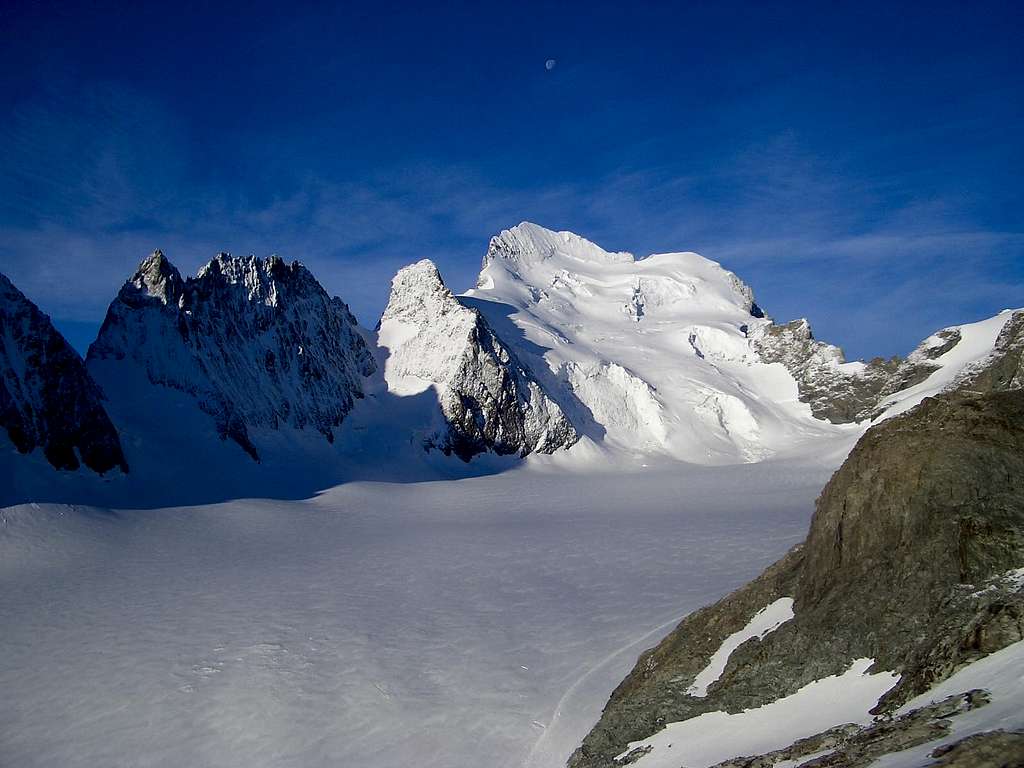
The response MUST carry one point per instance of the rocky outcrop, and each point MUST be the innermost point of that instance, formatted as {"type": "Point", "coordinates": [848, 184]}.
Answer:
{"type": "Point", "coordinates": [1004, 369]}
{"type": "Point", "coordinates": [47, 398]}
{"type": "Point", "coordinates": [834, 394]}
{"type": "Point", "coordinates": [257, 342]}
{"type": "Point", "coordinates": [488, 398]}
{"type": "Point", "coordinates": [909, 545]}
{"type": "Point", "coordinates": [843, 392]}
{"type": "Point", "coordinates": [991, 749]}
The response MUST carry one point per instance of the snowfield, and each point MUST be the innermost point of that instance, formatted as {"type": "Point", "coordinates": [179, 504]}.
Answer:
{"type": "Point", "coordinates": [456, 623]}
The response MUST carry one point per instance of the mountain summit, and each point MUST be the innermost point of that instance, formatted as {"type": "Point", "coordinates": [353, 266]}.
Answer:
{"type": "Point", "coordinates": [654, 351]}
{"type": "Point", "coordinates": [671, 354]}
{"type": "Point", "coordinates": [257, 343]}
{"type": "Point", "coordinates": [489, 400]}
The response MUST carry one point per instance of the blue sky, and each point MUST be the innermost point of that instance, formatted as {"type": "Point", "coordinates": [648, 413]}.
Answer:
{"type": "Point", "coordinates": [858, 164]}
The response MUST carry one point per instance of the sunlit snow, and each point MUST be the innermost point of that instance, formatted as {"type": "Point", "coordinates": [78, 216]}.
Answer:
{"type": "Point", "coordinates": [716, 736]}
{"type": "Point", "coordinates": [765, 621]}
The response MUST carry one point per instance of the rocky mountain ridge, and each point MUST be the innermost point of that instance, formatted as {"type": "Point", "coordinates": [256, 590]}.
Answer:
{"type": "Point", "coordinates": [560, 343]}
{"type": "Point", "coordinates": [842, 392]}
{"type": "Point", "coordinates": [256, 342]}
{"type": "Point", "coordinates": [47, 398]}
{"type": "Point", "coordinates": [489, 400]}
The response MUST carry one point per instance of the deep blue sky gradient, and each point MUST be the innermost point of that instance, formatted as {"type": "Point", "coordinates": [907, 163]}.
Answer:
{"type": "Point", "coordinates": [857, 163]}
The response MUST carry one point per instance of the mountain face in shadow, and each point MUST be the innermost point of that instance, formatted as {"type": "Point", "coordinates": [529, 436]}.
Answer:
{"type": "Point", "coordinates": [257, 343]}
{"type": "Point", "coordinates": [489, 399]}
{"type": "Point", "coordinates": [47, 398]}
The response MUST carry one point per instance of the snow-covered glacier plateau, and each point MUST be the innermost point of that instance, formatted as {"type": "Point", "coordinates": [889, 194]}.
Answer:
{"type": "Point", "coordinates": [441, 542]}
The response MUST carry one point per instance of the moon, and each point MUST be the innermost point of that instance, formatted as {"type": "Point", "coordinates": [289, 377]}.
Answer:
{"type": "Point", "coordinates": [550, 64]}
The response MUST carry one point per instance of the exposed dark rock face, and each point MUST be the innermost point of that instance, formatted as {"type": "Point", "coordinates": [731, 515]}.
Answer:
{"type": "Point", "coordinates": [836, 394]}
{"type": "Point", "coordinates": [908, 545]}
{"type": "Point", "coordinates": [257, 343]}
{"type": "Point", "coordinates": [47, 398]}
{"type": "Point", "coordinates": [919, 364]}
{"type": "Point", "coordinates": [993, 749]}
{"type": "Point", "coordinates": [489, 399]}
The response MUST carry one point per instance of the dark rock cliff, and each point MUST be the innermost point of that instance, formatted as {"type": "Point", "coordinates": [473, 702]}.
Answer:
{"type": "Point", "coordinates": [47, 398]}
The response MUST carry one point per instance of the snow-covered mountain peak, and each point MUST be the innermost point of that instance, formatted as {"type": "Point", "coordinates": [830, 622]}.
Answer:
{"type": "Point", "coordinates": [261, 280]}
{"type": "Point", "coordinates": [565, 269]}
{"type": "Point", "coordinates": [155, 278]}
{"type": "Point", "coordinates": [488, 399]}
{"type": "Point", "coordinates": [655, 350]}
{"type": "Point", "coordinates": [418, 293]}
{"type": "Point", "coordinates": [528, 243]}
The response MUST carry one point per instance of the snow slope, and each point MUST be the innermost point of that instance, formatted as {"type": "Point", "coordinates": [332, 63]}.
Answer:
{"type": "Point", "coordinates": [652, 354]}
{"type": "Point", "coordinates": [441, 624]}
{"type": "Point", "coordinates": [1001, 674]}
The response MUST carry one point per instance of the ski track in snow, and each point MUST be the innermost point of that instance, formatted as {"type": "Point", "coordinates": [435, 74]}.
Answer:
{"type": "Point", "coordinates": [542, 754]}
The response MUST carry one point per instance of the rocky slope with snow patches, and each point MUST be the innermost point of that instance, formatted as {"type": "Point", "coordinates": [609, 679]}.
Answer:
{"type": "Point", "coordinates": [837, 391]}
{"type": "Point", "coordinates": [912, 570]}
{"type": "Point", "coordinates": [843, 392]}
{"type": "Point", "coordinates": [488, 399]}
{"type": "Point", "coordinates": [47, 398]}
{"type": "Point", "coordinates": [982, 357]}
{"type": "Point", "coordinates": [257, 343]}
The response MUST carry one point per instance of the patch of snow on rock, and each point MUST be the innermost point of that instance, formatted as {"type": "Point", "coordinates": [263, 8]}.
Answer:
{"type": "Point", "coordinates": [764, 622]}
{"type": "Point", "coordinates": [716, 736]}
